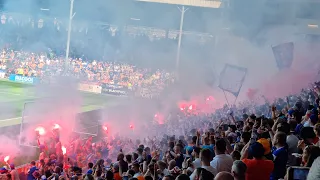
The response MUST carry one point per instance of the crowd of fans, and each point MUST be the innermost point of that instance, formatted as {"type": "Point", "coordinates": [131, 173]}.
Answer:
{"type": "Point", "coordinates": [44, 66]}
{"type": "Point", "coordinates": [270, 141]}
{"type": "Point", "coordinates": [278, 140]}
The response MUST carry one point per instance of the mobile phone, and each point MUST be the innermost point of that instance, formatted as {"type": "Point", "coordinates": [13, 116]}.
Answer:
{"type": "Point", "coordinates": [125, 178]}
{"type": "Point", "coordinates": [298, 173]}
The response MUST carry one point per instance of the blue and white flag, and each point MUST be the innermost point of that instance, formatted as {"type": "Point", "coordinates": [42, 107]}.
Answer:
{"type": "Point", "coordinates": [283, 53]}
{"type": "Point", "coordinates": [232, 78]}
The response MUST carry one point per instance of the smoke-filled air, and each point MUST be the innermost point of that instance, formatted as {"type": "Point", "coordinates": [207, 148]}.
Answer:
{"type": "Point", "coordinates": [157, 89]}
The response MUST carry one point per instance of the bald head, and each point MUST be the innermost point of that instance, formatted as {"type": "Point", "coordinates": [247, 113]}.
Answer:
{"type": "Point", "coordinates": [224, 176]}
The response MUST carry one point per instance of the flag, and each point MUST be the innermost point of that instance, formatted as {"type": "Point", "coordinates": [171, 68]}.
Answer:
{"type": "Point", "coordinates": [283, 53]}
{"type": "Point", "coordinates": [231, 78]}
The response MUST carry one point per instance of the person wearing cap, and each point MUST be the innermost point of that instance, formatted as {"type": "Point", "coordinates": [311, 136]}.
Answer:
{"type": "Point", "coordinates": [267, 148]}
{"type": "Point", "coordinates": [254, 170]}
{"type": "Point", "coordinates": [14, 173]}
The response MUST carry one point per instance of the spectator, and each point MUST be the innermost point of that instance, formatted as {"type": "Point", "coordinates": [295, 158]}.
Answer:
{"type": "Point", "coordinates": [162, 171]}
{"type": "Point", "coordinates": [90, 170]}
{"type": "Point", "coordinates": [77, 171]}
{"type": "Point", "coordinates": [292, 141]}
{"type": "Point", "coordinates": [202, 173]}
{"type": "Point", "coordinates": [116, 172]}
{"type": "Point", "coordinates": [317, 132]}
{"type": "Point", "coordinates": [267, 148]}
{"type": "Point", "coordinates": [136, 168]}
{"type": "Point", "coordinates": [222, 161]}
{"type": "Point", "coordinates": [168, 177]}
{"type": "Point", "coordinates": [177, 155]}
{"type": "Point", "coordinates": [14, 173]}
{"type": "Point", "coordinates": [148, 154]}
{"type": "Point", "coordinates": [207, 145]}
{"type": "Point", "coordinates": [183, 177]}
{"type": "Point", "coordinates": [172, 164]}
{"type": "Point", "coordinates": [98, 174]}
{"type": "Point", "coordinates": [205, 156]}
{"type": "Point", "coordinates": [308, 137]}
{"type": "Point", "coordinates": [32, 169]}
{"type": "Point", "coordinates": [122, 163]}
{"type": "Point", "coordinates": [314, 173]}
{"type": "Point", "coordinates": [245, 137]}
{"type": "Point", "coordinates": [129, 160]}
{"type": "Point", "coordinates": [88, 177]}
{"type": "Point", "coordinates": [310, 153]}
{"type": "Point", "coordinates": [280, 155]}
{"type": "Point", "coordinates": [236, 155]}
{"type": "Point", "coordinates": [196, 153]}
{"type": "Point", "coordinates": [224, 176]}
{"type": "Point", "coordinates": [140, 158]}
{"type": "Point", "coordinates": [109, 175]}
{"type": "Point", "coordinates": [254, 170]}
{"type": "Point", "coordinates": [192, 141]}
{"type": "Point", "coordinates": [239, 170]}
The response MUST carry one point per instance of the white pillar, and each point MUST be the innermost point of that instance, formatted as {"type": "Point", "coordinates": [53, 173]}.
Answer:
{"type": "Point", "coordinates": [183, 10]}
{"type": "Point", "coordinates": [69, 33]}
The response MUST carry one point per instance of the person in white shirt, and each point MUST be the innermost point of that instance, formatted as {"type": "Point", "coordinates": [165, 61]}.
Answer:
{"type": "Point", "coordinates": [162, 171]}
{"type": "Point", "coordinates": [197, 162]}
{"type": "Point", "coordinates": [292, 142]}
{"type": "Point", "coordinates": [222, 161]}
{"type": "Point", "coordinates": [205, 157]}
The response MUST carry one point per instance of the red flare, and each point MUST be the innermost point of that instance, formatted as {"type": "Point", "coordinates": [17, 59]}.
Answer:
{"type": "Point", "coordinates": [41, 130]}
{"type": "Point", "coordinates": [6, 159]}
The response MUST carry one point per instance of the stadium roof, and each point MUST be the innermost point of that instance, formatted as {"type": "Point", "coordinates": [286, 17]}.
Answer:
{"type": "Point", "coordinates": [198, 3]}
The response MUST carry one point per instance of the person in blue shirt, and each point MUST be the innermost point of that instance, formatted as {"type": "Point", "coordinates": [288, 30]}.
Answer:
{"type": "Point", "coordinates": [90, 166]}
{"type": "Point", "coordinates": [31, 171]}
{"type": "Point", "coordinates": [207, 145]}
{"type": "Point", "coordinates": [280, 156]}
{"type": "Point", "coordinates": [192, 140]}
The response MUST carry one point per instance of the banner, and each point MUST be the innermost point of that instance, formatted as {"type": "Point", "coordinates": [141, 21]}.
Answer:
{"type": "Point", "coordinates": [283, 53]}
{"type": "Point", "coordinates": [90, 88]}
{"type": "Point", "coordinates": [151, 92]}
{"type": "Point", "coordinates": [114, 89]}
{"type": "Point", "coordinates": [23, 79]}
{"type": "Point", "coordinates": [231, 78]}
{"type": "Point", "coordinates": [2, 74]}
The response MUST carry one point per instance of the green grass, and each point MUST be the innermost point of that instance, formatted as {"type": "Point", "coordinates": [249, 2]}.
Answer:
{"type": "Point", "coordinates": [15, 95]}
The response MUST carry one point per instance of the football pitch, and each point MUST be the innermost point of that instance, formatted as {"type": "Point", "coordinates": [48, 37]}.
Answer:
{"type": "Point", "coordinates": [14, 95]}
